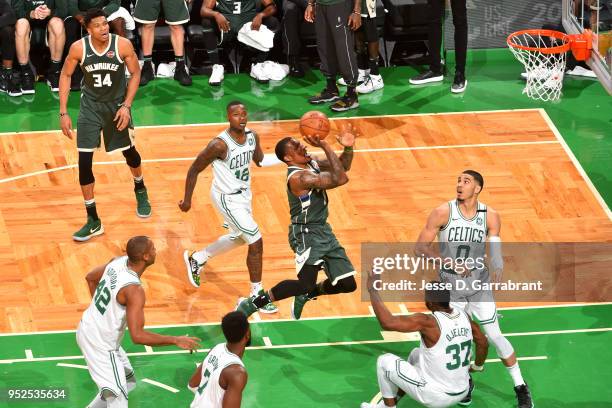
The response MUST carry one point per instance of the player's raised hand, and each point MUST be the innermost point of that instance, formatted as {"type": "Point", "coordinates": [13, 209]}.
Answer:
{"type": "Point", "coordinates": [184, 205]}
{"type": "Point", "coordinates": [313, 140]}
{"type": "Point", "coordinates": [372, 277]}
{"type": "Point", "coordinates": [122, 117]}
{"type": "Point", "coordinates": [347, 136]}
{"type": "Point", "coordinates": [187, 342]}
{"type": "Point", "coordinates": [66, 125]}
{"type": "Point", "coordinates": [309, 14]}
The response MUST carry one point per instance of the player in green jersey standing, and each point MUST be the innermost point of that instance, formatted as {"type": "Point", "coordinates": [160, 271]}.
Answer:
{"type": "Point", "coordinates": [310, 236]}
{"type": "Point", "coordinates": [105, 105]}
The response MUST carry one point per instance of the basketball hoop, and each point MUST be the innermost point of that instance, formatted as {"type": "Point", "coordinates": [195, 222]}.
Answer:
{"type": "Point", "coordinates": [543, 53]}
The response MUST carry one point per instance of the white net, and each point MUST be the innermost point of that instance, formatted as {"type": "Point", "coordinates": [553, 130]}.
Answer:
{"type": "Point", "coordinates": [544, 66]}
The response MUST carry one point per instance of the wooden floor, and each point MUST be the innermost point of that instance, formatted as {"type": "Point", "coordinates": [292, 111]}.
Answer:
{"type": "Point", "coordinates": [536, 188]}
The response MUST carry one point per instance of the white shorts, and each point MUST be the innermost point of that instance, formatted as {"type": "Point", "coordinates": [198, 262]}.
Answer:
{"type": "Point", "coordinates": [110, 370]}
{"type": "Point", "coordinates": [479, 305]}
{"type": "Point", "coordinates": [237, 214]}
{"type": "Point", "coordinates": [405, 375]}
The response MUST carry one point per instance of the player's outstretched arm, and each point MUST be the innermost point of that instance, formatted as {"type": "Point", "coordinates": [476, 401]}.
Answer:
{"type": "Point", "coordinates": [216, 149]}
{"type": "Point", "coordinates": [482, 344]}
{"type": "Point", "coordinates": [336, 175]}
{"type": "Point", "coordinates": [71, 62]}
{"type": "Point", "coordinates": [236, 378]}
{"type": "Point", "coordinates": [436, 220]}
{"type": "Point", "coordinates": [133, 297]}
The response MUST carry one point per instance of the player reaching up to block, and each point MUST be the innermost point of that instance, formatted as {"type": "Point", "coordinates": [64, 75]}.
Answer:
{"type": "Point", "coordinates": [220, 380]}
{"type": "Point", "coordinates": [436, 373]}
{"type": "Point", "coordinates": [310, 236]}
{"type": "Point", "coordinates": [462, 227]}
{"type": "Point", "coordinates": [230, 154]}
{"type": "Point", "coordinates": [105, 106]}
{"type": "Point", "coordinates": [118, 301]}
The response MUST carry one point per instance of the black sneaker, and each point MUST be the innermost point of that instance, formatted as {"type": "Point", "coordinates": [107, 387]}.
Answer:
{"type": "Point", "coordinates": [53, 81]}
{"type": "Point", "coordinates": [75, 81]}
{"type": "Point", "coordinates": [426, 77]}
{"type": "Point", "coordinates": [4, 77]}
{"type": "Point", "coordinates": [296, 71]}
{"type": "Point", "coordinates": [182, 75]}
{"type": "Point", "coordinates": [325, 96]}
{"type": "Point", "coordinates": [147, 74]}
{"type": "Point", "coordinates": [459, 83]}
{"type": "Point", "coordinates": [27, 81]}
{"type": "Point", "coordinates": [13, 83]}
{"type": "Point", "coordinates": [523, 396]}
{"type": "Point", "coordinates": [468, 398]}
{"type": "Point", "coordinates": [345, 103]}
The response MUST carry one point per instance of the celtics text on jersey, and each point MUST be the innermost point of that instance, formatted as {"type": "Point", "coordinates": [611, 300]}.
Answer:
{"type": "Point", "coordinates": [233, 173]}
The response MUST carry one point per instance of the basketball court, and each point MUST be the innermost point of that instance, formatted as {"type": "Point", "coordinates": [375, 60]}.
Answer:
{"type": "Point", "coordinates": [543, 180]}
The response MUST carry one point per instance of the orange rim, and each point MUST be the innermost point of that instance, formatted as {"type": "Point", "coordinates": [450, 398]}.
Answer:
{"type": "Point", "coordinates": [542, 33]}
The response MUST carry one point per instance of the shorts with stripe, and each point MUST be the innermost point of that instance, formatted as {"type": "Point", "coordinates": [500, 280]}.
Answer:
{"type": "Point", "coordinates": [237, 214]}
{"type": "Point", "coordinates": [96, 120]}
{"type": "Point", "coordinates": [394, 373]}
{"type": "Point", "coordinates": [109, 369]}
{"type": "Point", "coordinates": [479, 305]}
{"type": "Point", "coordinates": [317, 245]}
{"type": "Point", "coordinates": [175, 11]}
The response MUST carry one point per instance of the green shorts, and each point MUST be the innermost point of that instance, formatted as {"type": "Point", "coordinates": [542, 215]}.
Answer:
{"type": "Point", "coordinates": [317, 245]}
{"type": "Point", "coordinates": [98, 117]}
{"type": "Point", "coordinates": [175, 11]}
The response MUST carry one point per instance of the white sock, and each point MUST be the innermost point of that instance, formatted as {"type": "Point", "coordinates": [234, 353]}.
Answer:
{"type": "Point", "coordinates": [255, 288]}
{"type": "Point", "coordinates": [138, 178]}
{"type": "Point", "coordinates": [515, 373]}
{"type": "Point", "coordinates": [97, 402]}
{"type": "Point", "coordinates": [220, 246]}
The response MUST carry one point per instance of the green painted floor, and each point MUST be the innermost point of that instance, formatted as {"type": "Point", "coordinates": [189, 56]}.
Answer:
{"type": "Point", "coordinates": [302, 369]}
{"type": "Point", "coordinates": [583, 116]}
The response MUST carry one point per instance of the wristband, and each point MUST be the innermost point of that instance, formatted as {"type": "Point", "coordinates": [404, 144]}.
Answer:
{"type": "Point", "coordinates": [348, 148]}
{"type": "Point", "coordinates": [357, 12]}
{"type": "Point", "coordinates": [125, 106]}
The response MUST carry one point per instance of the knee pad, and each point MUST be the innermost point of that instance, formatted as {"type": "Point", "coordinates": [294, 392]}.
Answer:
{"type": "Point", "coordinates": [347, 285]}
{"type": "Point", "coordinates": [85, 168]}
{"type": "Point", "coordinates": [502, 345]}
{"type": "Point", "coordinates": [132, 158]}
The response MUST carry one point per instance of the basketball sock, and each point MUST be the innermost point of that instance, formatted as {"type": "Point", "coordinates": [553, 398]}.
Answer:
{"type": "Point", "coordinates": [55, 66]}
{"type": "Point", "coordinates": [222, 245]}
{"type": "Point", "coordinates": [262, 300]}
{"type": "Point", "coordinates": [148, 59]}
{"type": "Point", "coordinates": [255, 288]}
{"type": "Point", "coordinates": [24, 67]}
{"type": "Point", "coordinates": [97, 402]}
{"type": "Point", "coordinates": [139, 183]}
{"type": "Point", "coordinates": [373, 65]}
{"type": "Point", "coordinates": [180, 60]}
{"type": "Point", "coordinates": [90, 207]}
{"type": "Point", "coordinates": [515, 373]}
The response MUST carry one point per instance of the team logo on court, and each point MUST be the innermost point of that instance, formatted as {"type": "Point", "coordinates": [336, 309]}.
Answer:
{"type": "Point", "coordinates": [479, 221]}
{"type": "Point", "coordinates": [110, 54]}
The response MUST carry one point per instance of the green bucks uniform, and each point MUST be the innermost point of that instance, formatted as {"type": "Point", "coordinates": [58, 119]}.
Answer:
{"type": "Point", "coordinates": [238, 13]}
{"type": "Point", "coordinates": [175, 11]}
{"type": "Point", "coordinates": [103, 91]}
{"type": "Point", "coordinates": [310, 236]}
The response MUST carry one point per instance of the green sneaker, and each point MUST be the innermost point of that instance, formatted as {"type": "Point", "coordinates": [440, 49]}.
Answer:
{"type": "Point", "coordinates": [298, 306]}
{"type": "Point", "coordinates": [193, 268]}
{"type": "Point", "coordinates": [90, 229]}
{"type": "Point", "coordinates": [143, 206]}
{"type": "Point", "coordinates": [269, 308]}
{"type": "Point", "coordinates": [246, 306]}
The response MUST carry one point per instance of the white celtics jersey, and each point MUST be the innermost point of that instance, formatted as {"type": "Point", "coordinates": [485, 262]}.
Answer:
{"type": "Point", "coordinates": [462, 237]}
{"type": "Point", "coordinates": [104, 321]}
{"type": "Point", "coordinates": [209, 393]}
{"type": "Point", "coordinates": [232, 174]}
{"type": "Point", "coordinates": [445, 366]}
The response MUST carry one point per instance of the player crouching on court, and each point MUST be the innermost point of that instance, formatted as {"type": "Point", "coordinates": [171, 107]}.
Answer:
{"type": "Point", "coordinates": [436, 373]}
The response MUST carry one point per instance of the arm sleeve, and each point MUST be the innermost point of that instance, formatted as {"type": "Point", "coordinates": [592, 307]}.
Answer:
{"type": "Point", "coordinates": [111, 7]}
{"type": "Point", "coordinates": [7, 15]}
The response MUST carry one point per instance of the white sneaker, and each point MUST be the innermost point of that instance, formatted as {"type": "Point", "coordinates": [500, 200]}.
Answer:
{"type": "Point", "coordinates": [258, 72]}
{"type": "Point", "coordinates": [363, 73]}
{"type": "Point", "coordinates": [275, 71]}
{"type": "Point", "coordinates": [581, 71]}
{"type": "Point", "coordinates": [370, 84]}
{"type": "Point", "coordinates": [217, 75]}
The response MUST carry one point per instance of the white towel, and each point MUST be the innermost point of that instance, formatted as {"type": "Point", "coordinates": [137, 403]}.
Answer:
{"type": "Point", "coordinates": [262, 39]}
{"type": "Point", "coordinates": [130, 24]}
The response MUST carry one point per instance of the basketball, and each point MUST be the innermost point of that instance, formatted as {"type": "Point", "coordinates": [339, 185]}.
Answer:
{"type": "Point", "coordinates": [314, 123]}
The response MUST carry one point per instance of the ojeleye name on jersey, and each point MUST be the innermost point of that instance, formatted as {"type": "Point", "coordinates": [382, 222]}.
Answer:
{"type": "Point", "coordinates": [242, 159]}
{"type": "Point", "coordinates": [101, 66]}
{"type": "Point", "coordinates": [460, 332]}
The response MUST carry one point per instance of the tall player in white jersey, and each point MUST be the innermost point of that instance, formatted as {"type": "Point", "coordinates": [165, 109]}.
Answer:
{"type": "Point", "coordinates": [219, 381]}
{"type": "Point", "coordinates": [436, 373]}
{"type": "Point", "coordinates": [230, 154]}
{"type": "Point", "coordinates": [118, 301]}
{"type": "Point", "coordinates": [462, 226]}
